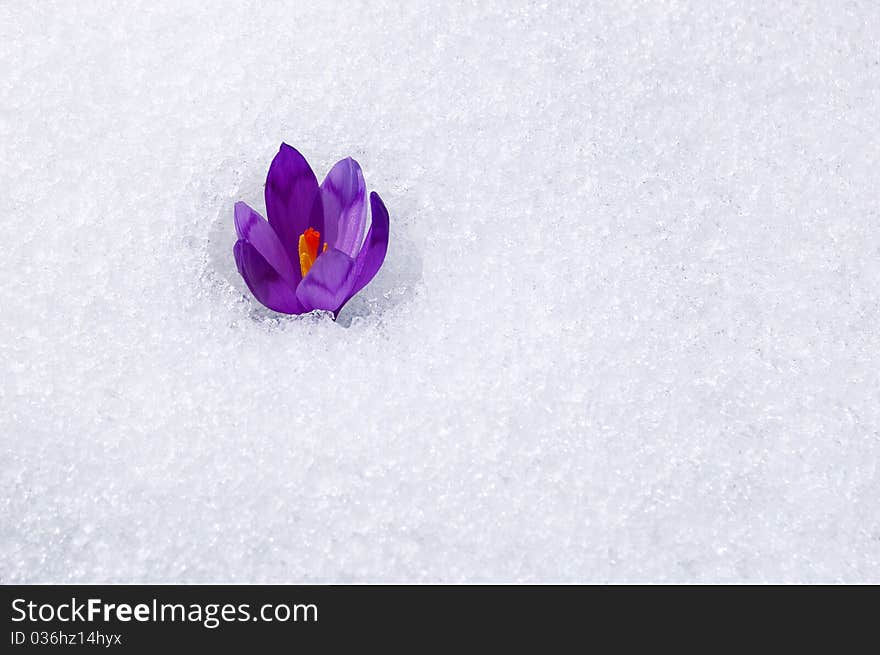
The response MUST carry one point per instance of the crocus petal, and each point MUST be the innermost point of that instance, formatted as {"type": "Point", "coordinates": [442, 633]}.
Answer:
{"type": "Point", "coordinates": [328, 284]}
{"type": "Point", "coordinates": [372, 254]}
{"type": "Point", "coordinates": [264, 281]}
{"type": "Point", "coordinates": [254, 229]}
{"type": "Point", "coordinates": [293, 203]}
{"type": "Point", "coordinates": [344, 196]}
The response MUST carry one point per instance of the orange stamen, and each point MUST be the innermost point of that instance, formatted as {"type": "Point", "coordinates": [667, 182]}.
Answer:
{"type": "Point", "coordinates": [308, 249]}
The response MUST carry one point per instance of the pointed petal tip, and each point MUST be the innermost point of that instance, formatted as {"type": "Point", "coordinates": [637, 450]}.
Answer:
{"type": "Point", "coordinates": [290, 150]}
{"type": "Point", "coordinates": [241, 214]}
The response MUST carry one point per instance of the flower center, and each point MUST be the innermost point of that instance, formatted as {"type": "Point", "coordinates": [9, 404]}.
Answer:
{"type": "Point", "coordinates": [308, 249]}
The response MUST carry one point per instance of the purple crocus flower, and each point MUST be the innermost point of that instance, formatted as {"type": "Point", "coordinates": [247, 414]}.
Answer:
{"type": "Point", "coordinates": [311, 254]}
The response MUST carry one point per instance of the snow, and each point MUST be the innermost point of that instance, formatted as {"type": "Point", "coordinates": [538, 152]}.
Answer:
{"type": "Point", "coordinates": [628, 329]}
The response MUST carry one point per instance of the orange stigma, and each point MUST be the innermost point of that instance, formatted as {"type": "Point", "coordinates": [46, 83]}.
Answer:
{"type": "Point", "coordinates": [308, 249]}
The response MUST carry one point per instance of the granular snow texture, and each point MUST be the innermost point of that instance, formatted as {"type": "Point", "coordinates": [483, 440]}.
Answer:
{"type": "Point", "coordinates": [628, 328]}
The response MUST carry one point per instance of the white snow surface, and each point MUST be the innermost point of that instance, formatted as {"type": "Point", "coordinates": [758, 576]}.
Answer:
{"type": "Point", "coordinates": [628, 329]}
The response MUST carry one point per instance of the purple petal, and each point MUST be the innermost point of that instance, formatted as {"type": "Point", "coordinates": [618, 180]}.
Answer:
{"type": "Point", "coordinates": [254, 229]}
{"type": "Point", "coordinates": [328, 283]}
{"type": "Point", "coordinates": [344, 196]}
{"type": "Point", "coordinates": [264, 281]}
{"type": "Point", "coordinates": [372, 254]}
{"type": "Point", "coordinates": [292, 199]}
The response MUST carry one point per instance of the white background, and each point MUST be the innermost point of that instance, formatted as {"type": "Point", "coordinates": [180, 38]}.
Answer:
{"type": "Point", "coordinates": [627, 329]}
